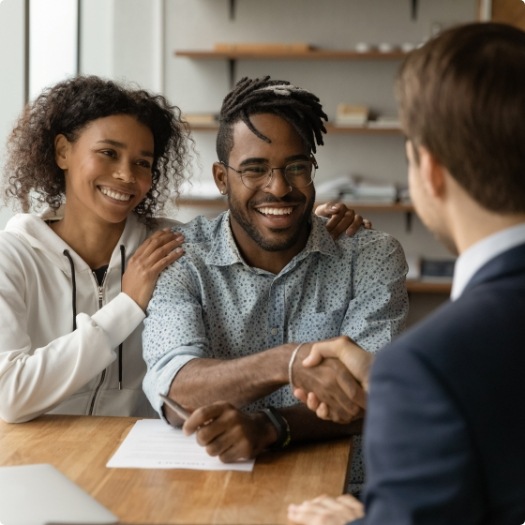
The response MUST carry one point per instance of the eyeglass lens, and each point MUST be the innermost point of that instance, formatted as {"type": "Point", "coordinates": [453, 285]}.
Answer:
{"type": "Point", "coordinates": [297, 174]}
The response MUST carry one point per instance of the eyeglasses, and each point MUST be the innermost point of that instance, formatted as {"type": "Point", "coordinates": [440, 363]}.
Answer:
{"type": "Point", "coordinates": [298, 174]}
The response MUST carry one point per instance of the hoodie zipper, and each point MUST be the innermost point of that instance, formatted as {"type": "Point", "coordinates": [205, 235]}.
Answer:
{"type": "Point", "coordinates": [103, 374]}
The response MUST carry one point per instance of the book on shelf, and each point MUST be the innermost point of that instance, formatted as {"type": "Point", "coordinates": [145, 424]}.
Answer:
{"type": "Point", "coordinates": [437, 269]}
{"type": "Point", "coordinates": [358, 189]}
{"type": "Point", "coordinates": [351, 115]}
{"type": "Point", "coordinates": [385, 122]}
{"type": "Point", "coordinates": [440, 270]}
{"type": "Point", "coordinates": [201, 119]}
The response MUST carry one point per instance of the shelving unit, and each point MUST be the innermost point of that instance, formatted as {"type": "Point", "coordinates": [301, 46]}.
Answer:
{"type": "Point", "coordinates": [331, 129]}
{"type": "Point", "coordinates": [220, 204]}
{"type": "Point", "coordinates": [314, 54]}
{"type": "Point", "coordinates": [430, 287]}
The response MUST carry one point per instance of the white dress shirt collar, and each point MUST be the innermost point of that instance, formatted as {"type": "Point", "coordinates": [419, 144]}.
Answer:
{"type": "Point", "coordinates": [471, 260]}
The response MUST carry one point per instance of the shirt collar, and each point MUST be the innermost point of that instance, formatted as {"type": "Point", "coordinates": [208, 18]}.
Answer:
{"type": "Point", "coordinates": [471, 260]}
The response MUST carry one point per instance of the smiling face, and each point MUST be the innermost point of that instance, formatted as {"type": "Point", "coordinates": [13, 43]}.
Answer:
{"type": "Point", "coordinates": [108, 168]}
{"type": "Point", "coordinates": [270, 223]}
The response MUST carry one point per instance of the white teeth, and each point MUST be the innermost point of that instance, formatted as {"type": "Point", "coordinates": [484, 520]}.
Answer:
{"type": "Point", "coordinates": [276, 211]}
{"type": "Point", "coordinates": [116, 195]}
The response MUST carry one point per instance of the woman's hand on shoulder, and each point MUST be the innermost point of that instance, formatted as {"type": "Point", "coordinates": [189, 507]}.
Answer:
{"type": "Point", "coordinates": [341, 219]}
{"type": "Point", "coordinates": [143, 268]}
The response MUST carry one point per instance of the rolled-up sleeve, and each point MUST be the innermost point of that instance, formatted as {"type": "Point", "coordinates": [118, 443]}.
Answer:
{"type": "Point", "coordinates": [174, 332]}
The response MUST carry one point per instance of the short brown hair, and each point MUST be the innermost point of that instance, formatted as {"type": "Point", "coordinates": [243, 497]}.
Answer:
{"type": "Point", "coordinates": [462, 96]}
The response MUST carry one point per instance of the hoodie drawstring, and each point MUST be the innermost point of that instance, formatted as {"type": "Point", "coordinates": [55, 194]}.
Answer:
{"type": "Point", "coordinates": [74, 291]}
{"type": "Point", "coordinates": [74, 300]}
{"type": "Point", "coordinates": [122, 270]}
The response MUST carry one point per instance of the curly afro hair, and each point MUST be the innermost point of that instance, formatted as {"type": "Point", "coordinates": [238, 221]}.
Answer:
{"type": "Point", "coordinates": [69, 106]}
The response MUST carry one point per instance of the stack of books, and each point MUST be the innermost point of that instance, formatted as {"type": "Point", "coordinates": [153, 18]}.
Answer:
{"type": "Point", "coordinates": [374, 192]}
{"type": "Point", "coordinates": [359, 190]}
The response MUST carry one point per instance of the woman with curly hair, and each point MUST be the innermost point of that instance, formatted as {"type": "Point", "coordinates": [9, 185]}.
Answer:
{"type": "Point", "coordinates": [76, 279]}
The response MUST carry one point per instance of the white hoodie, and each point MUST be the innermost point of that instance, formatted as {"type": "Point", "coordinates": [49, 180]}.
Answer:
{"type": "Point", "coordinates": [45, 364]}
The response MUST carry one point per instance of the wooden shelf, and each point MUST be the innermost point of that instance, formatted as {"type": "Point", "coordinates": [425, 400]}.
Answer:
{"type": "Point", "coordinates": [362, 130]}
{"type": "Point", "coordinates": [314, 54]}
{"type": "Point", "coordinates": [396, 207]}
{"type": "Point", "coordinates": [330, 128]}
{"type": "Point", "coordinates": [430, 287]}
{"type": "Point", "coordinates": [222, 203]}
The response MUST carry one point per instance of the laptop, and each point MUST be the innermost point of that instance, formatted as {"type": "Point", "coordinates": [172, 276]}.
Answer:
{"type": "Point", "coordinates": [41, 495]}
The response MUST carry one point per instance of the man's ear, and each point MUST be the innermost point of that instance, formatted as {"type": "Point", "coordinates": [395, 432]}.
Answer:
{"type": "Point", "coordinates": [220, 175]}
{"type": "Point", "coordinates": [62, 148]}
{"type": "Point", "coordinates": [432, 172]}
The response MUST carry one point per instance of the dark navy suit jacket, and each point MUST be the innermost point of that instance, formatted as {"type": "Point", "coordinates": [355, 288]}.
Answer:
{"type": "Point", "coordinates": [445, 427]}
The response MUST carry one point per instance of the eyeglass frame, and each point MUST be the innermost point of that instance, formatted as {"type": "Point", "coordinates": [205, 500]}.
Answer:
{"type": "Point", "coordinates": [311, 159]}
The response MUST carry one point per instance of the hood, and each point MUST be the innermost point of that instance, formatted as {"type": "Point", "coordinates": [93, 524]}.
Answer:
{"type": "Point", "coordinates": [34, 230]}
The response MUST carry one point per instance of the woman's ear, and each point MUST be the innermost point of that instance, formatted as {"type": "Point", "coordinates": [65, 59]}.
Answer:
{"type": "Point", "coordinates": [220, 176]}
{"type": "Point", "coordinates": [62, 147]}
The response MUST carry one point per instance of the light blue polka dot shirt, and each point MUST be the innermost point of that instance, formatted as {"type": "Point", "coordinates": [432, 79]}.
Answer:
{"type": "Point", "coordinates": [211, 304]}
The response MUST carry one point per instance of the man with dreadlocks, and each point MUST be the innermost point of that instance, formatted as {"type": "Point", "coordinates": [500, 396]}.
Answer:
{"type": "Point", "coordinates": [229, 323]}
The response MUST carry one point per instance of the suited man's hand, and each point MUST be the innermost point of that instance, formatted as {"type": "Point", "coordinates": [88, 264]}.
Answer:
{"type": "Point", "coordinates": [326, 511]}
{"type": "Point", "coordinates": [356, 360]}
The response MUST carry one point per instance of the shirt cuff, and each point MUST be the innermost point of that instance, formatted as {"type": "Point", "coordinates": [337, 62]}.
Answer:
{"type": "Point", "coordinates": [119, 318]}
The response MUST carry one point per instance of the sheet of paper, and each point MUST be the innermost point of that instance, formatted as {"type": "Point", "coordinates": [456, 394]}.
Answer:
{"type": "Point", "coordinates": [152, 443]}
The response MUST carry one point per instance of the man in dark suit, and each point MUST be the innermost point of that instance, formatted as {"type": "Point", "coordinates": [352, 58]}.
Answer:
{"type": "Point", "coordinates": [445, 424]}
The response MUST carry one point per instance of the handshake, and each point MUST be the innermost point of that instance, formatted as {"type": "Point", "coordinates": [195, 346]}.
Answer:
{"type": "Point", "coordinates": [331, 378]}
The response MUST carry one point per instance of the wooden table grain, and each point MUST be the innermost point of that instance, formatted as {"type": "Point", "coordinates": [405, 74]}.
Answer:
{"type": "Point", "coordinates": [81, 446]}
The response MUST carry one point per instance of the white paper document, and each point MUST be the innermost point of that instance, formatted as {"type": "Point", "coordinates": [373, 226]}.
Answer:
{"type": "Point", "coordinates": [152, 443]}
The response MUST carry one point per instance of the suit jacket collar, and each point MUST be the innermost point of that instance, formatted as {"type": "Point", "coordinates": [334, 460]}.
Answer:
{"type": "Point", "coordinates": [511, 261]}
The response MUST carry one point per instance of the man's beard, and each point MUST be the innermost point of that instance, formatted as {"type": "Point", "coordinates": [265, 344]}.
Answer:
{"type": "Point", "coordinates": [272, 245]}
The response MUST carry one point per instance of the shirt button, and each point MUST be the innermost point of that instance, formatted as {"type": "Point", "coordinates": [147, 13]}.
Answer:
{"type": "Point", "coordinates": [274, 331]}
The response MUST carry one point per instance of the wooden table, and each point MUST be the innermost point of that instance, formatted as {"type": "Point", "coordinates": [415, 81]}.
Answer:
{"type": "Point", "coordinates": [81, 446]}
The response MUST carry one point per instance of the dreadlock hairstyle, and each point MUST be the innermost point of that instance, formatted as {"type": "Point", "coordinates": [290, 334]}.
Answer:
{"type": "Point", "coordinates": [300, 108]}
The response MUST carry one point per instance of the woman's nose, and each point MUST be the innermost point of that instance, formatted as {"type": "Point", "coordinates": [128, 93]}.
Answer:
{"type": "Point", "coordinates": [124, 173]}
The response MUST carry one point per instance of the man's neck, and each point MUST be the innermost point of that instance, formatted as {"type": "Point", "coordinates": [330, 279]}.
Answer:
{"type": "Point", "coordinates": [471, 224]}
{"type": "Point", "coordinates": [272, 261]}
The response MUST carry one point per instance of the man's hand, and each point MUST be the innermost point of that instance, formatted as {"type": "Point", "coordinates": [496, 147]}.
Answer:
{"type": "Point", "coordinates": [341, 219]}
{"type": "Point", "coordinates": [230, 434]}
{"type": "Point", "coordinates": [356, 361]}
{"type": "Point", "coordinates": [326, 511]}
{"type": "Point", "coordinates": [332, 384]}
